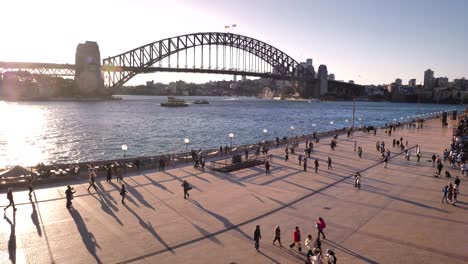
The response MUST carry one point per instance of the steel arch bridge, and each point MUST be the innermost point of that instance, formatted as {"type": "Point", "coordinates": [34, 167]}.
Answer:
{"type": "Point", "coordinates": [211, 52]}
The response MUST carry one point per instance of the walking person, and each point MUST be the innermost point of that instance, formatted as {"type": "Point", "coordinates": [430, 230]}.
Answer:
{"type": "Point", "coordinates": [457, 184]}
{"type": "Point", "coordinates": [433, 158]}
{"type": "Point", "coordinates": [277, 236]}
{"type": "Point", "coordinates": [92, 174]}
{"type": "Point", "coordinates": [317, 257]}
{"type": "Point", "coordinates": [10, 199]}
{"type": "Point", "coordinates": [308, 244]}
{"type": "Point", "coordinates": [316, 163]}
{"type": "Point", "coordinates": [69, 195]}
{"type": "Point", "coordinates": [267, 168]}
{"type": "Point", "coordinates": [257, 237]}
{"type": "Point", "coordinates": [359, 153]}
{"type": "Point", "coordinates": [108, 173]}
{"type": "Point", "coordinates": [123, 192]}
{"type": "Point", "coordinates": [329, 163]}
{"type": "Point", "coordinates": [331, 256]}
{"type": "Point", "coordinates": [299, 158]}
{"type": "Point", "coordinates": [30, 187]}
{"type": "Point", "coordinates": [355, 145]}
{"type": "Point", "coordinates": [320, 225]}
{"type": "Point", "coordinates": [357, 180]}
{"type": "Point", "coordinates": [454, 195]}
{"type": "Point", "coordinates": [187, 188]}
{"type": "Point", "coordinates": [296, 239]}
{"type": "Point", "coordinates": [305, 164]}
{"type": "Point", "coordinates": [440, 166]}
{"type": "Point", "coordinates": [385, 161]}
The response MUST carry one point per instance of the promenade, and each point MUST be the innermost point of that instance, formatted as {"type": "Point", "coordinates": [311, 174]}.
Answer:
{"type": "Point", "coordinates": [396, 217]}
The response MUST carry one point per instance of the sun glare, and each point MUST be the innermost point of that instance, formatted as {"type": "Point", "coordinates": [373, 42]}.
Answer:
{"type": "Point", "coordinates": [18, 134]}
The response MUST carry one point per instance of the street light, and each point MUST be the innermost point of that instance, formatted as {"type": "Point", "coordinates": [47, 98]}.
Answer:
{"type": "Point", "coordinates": [292, 130]}
{"type": "Point", "coordinates": [186, 141]}
{"type": "Point", "coordinates": [265, 132]}
{"type": "Point", "coordinates": [124, 148]}
{"type": "Point", "coordinates": [346, 121]}
{"type": "Point", "coordinates": [231, 135]}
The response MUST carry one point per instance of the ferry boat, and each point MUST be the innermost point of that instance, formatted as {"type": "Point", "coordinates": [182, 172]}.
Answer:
{"type": "Point", "coordinates": [200, 102]}
{"type": "Point", "coordinates": [174, 102]}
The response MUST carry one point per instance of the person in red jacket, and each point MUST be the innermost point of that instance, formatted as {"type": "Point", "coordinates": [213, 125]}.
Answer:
{"type": "Point", "coordinates": [320, 224]}
{"type": "Point", "coordinates": [297, 239]}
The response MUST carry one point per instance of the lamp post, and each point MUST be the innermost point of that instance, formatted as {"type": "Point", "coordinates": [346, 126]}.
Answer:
{"type": "Point", "coordinates": [265, 132]}
{"type": "Point", "coordinates": [124, 148]}
{"type": "Point", "coordinates": [231, 135]}
{"type": "Point", "coordinates": [292, 130]}
{"type": "Point", "coordinates": [186, 141]}
{"type": "Point", "coordinates": [346, 122]}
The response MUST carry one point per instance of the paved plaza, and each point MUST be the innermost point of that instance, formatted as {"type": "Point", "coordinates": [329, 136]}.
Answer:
{"type": "Point", "coordinates": [396, 217]}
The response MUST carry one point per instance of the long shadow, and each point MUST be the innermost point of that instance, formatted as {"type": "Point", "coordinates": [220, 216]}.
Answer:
{"type": "Point", "coordinates": [35, 218]}
{"type": "Point", "coordinates": [107, 206]}
{"type": "Point", "coordinates": [104, 192]}
{"type": "Point", "coordinates": [88, 238]}
{"type": "Point", "coordinates": [350, 252]}
{"type": "Point", "coordinates": [148, 226]}
{"type": "Point", "coordinates": [195, 175]}
{"type": "Point", "coordinates": [205, 233]}
{"type": "Point", "coordinates": [222, 219]}
{"type": "Point", "coordinates": [258, 198]}
{"type": "Point", "coordinates": [12, 240]}
{"type": "Point", "coordinates": [281, 203]}
{"type": "Point", "coordinates": [268, 257]}
{"type": "Point", "coordinates": [138, 196]}
{"type": "Point", "coordinates": [128, 198]}
{"type": "Point", "coordinates": [409, 201]}
{"type": "Point", "coordinates": [157, 184]}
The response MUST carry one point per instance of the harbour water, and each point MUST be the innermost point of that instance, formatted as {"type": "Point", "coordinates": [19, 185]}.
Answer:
{"type": "Point", "coordinates": [63, 132]}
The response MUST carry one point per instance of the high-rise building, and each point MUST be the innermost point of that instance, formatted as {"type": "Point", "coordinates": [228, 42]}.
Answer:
{"type": "Point", "coordinates": [442, 82]}
{"type": "Point", "coordinates": [331, 77]}
{"type": "Point", "coordinates": [398, 81]}
{"type": "Point", "coordinates": [412, 83]}
{"type": "Point", "coordinates": [309, 62]}
{"type": "Point", "coordinates": [428, 78]}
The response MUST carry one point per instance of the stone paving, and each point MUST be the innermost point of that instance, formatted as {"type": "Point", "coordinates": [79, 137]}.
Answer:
{"type": "Point", "coordinates": [396, 217]}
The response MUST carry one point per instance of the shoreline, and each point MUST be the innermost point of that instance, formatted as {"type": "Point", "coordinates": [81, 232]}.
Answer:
{"type": "Point", "coordinates": [65, 171]}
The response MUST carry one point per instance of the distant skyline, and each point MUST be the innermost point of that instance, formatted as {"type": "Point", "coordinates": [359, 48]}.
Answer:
{"type": "Point", "coordinates": [370, 41]}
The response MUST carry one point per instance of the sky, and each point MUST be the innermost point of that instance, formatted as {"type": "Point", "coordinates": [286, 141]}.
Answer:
{"type": "Point", "coordinates": [368, 41]}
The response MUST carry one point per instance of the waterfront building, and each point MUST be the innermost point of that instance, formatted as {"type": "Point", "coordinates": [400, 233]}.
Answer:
{"type": "Point", "coordinates": [441, 82]}
{"type": "Point", "coordinates": [398, 81]}
{"type": "Point", "coordinates": [428, 78]}
{"type": "Point", "coordinates": [351, 81]}
{"type": "Point", "coordinates": [412, 83]}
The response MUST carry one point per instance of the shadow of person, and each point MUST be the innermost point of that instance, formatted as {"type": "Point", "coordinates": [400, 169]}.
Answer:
{"type": "Point", "coordinates": [227, 224]}
{"type": "Point", "coordinates": [12, 240]}
{"type": "Point", "coordinates": [137, 195]}
{"type": "Point", "coordinates": [88, 238]}
{"type": "Point", "coordinates": [148, 226]}
{"type": "Point", "coordinates": [35, 218]}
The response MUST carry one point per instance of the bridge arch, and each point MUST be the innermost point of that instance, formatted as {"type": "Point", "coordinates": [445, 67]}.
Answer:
{"type": "Point", "coordinates": [121, 68]}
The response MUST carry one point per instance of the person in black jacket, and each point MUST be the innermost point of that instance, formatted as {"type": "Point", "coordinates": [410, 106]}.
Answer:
{"type": "Point", "coordinates": [257, 237]}
{"type": "Point", "coordinates": [123, 192]}
{"type": "Point", "coordinates": [10, 199]}
{"type": "Point", "coordinates": [187, 188]}
{"type": "Point", "coordinates": [69, 194]}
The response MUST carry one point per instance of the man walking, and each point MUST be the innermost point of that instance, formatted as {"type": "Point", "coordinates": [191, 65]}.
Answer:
{"type": "Point", "coordinates": [316, 165]}
{"type": "Point", "coordinates": [267, 168]}
{"type": "Point", "coordinates": [69, 194]}
{"type": "Point", "coordinates": [277, 236]}
{"type": "Point", "coordinates": [305, 164]}
{"type": "Point", "coordinates": [296, 239]}
{"type": "Point", "coordinates": [257, 237]}
{"type": "Point", "coordinates": [187, 188]}
{"type": "Point", "coordinates": [329, 163]}
{"type": "Point", "coordinates": [123, 192]}
{"type": "Point", "coordinates": [10, 199]}
{"type": "Point", "coordinates": [92, 174]}
{"type": "Point", "coordinates": [109, 173]}
{"type": "Point", "coordinates": [30, 187]}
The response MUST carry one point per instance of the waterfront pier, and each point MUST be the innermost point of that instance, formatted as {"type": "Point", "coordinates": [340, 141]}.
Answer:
{"type": "Point", "coordinates": [395, 217]}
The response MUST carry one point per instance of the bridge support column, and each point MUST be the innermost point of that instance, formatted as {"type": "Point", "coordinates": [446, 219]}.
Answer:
{"type": "Point", "coordinates": [88, 75]}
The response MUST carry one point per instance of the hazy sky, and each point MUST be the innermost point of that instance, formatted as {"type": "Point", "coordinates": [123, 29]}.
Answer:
{"type": "Point", "coordinates": [369, 41]}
